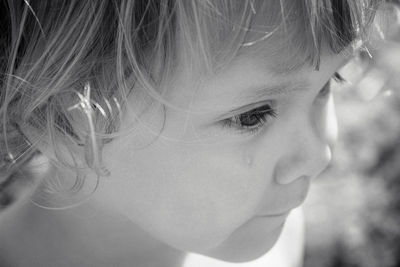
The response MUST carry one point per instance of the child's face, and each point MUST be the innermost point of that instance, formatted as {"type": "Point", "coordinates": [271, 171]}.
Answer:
{"type": "Point", "coordinates": [220, 186]}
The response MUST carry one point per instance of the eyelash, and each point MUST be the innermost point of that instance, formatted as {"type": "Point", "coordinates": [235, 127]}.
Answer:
{"type": "Point", "coordinates": [261, 116]}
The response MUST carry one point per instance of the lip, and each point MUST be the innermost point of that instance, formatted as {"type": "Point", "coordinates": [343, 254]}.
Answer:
{"type": "Point", "coordinates": [286, 210]}
{"type": "Point", "coordinates": [301, 197]}
{"type": "Point", "coordinates": [276, 215]}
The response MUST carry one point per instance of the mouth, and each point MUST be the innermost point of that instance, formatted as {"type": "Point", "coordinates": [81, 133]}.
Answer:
{"type": "Point", "coordinates": [289, 198]}
{"type": "Point", "coordinates": [275, 215]}
{"type": "Point", "coordinates": [284, 211]}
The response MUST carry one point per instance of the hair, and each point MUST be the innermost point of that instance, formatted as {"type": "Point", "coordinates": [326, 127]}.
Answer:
{"type": "Point", "coordinates": [68, 66]}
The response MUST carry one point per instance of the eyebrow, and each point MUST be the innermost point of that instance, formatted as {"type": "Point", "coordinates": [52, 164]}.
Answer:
{"type": "Point", "coordinates": [287, 68]}
{"type": "Point", "coordinates": [260, 93]}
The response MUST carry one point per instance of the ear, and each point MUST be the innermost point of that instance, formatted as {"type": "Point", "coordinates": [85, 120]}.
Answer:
{"type": "Point", "coordinates": [19, 186]}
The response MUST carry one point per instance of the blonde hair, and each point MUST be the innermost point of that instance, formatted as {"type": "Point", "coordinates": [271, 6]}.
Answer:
{"type": "Point", "coordinates": [67, 66]}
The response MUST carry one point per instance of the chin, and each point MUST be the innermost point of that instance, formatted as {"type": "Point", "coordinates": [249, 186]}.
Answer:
{"type": "Point", "coordinates": [245, 245]}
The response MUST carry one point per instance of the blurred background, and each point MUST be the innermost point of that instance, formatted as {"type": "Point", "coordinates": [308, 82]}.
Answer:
{"type": "Point", "coordinates": [353, 210]}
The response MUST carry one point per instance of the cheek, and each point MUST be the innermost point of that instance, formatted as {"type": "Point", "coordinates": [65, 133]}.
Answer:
{"type": "Point", "coordinates": [191, 197]}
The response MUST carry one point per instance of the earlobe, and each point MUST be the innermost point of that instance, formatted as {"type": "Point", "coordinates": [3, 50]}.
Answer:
{"type": "Point", "coordinates": [20, 185]}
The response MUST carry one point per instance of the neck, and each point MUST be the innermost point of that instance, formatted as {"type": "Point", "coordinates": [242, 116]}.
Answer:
{"type": "Point", "coordinates": [71, 235]}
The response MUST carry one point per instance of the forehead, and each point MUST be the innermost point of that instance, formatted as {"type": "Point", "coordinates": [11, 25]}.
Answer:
{"type": "Point", "coordinates": [250, 79]}
{"type": "Point", "coordinates": [288, 60]}
{"type": "Point", "coordinates": [286, 35]}
{"type": "Point", "coordinates": [293, 31]}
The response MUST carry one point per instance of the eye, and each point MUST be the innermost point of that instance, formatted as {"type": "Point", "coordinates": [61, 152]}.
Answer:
{"type": "Point", "coordinates": [338, 78]}
{"type": "Point", "coordinates": [251, 121]}
{"type": "Point", "coordinates": [327, 87]}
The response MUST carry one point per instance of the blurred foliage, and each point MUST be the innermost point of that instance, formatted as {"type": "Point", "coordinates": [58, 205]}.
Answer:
{"type": "Point", "coordinates": [353, 212]}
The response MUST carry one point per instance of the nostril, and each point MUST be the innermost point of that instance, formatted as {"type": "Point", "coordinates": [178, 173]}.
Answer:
{"type": "Point", "coordinates": [309, 160]}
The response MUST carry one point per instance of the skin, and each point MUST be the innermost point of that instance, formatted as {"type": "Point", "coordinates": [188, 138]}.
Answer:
{"type": "Point", "coordinates": [198, 186]}
{"type": "Point", "coordinates": [208, 189]}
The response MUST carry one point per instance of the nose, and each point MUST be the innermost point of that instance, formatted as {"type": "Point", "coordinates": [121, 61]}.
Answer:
{"type": "Point", "coordinates": [305, 163]}
{"type": "Point", "coordinates": [310, 145]}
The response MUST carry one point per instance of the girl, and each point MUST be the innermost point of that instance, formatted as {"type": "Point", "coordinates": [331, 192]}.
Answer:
{"type": "Point", "coordinates": [135, 132]}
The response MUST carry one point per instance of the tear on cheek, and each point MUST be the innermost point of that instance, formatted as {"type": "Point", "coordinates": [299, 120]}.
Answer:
{"type": "Point", "coordinates": [248, 159]}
